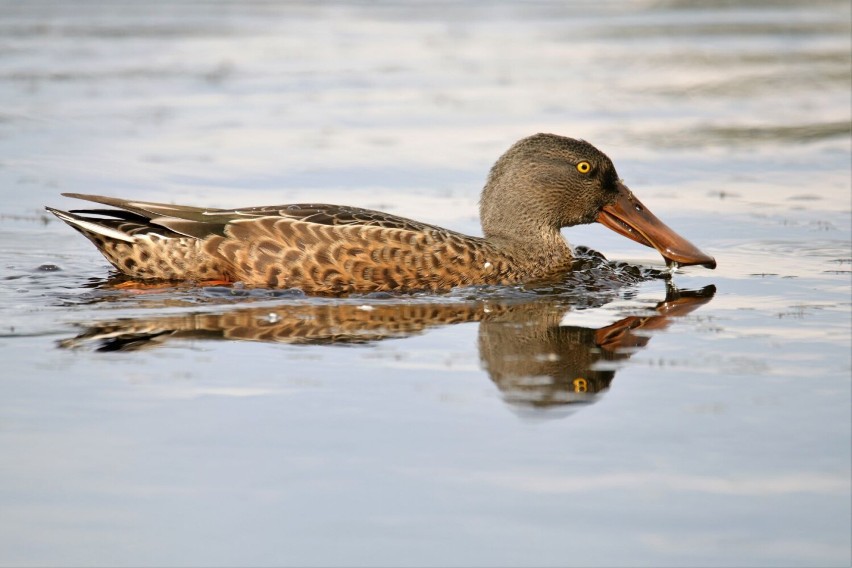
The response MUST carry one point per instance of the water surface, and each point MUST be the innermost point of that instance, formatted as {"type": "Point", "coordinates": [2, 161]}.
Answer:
{"type": "Point", "coordinates": [616, 418]}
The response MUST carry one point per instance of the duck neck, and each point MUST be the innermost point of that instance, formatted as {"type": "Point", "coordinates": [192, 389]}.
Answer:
{"type": "Point", "coordinates": [544, 247]}
{"type": "Point", "coordinates": [522, 220]}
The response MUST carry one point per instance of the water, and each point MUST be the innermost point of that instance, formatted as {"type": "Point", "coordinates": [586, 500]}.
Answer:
{"type": "Point", "coordinates": [186, 426]}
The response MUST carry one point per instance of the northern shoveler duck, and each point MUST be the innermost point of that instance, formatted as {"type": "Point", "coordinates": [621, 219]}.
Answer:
{"type": "Point", "coordinates": [541, 184]}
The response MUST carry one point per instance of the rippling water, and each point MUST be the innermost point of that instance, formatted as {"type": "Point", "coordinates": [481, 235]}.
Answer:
{"type": "Point", "coordinates": [622, 417]}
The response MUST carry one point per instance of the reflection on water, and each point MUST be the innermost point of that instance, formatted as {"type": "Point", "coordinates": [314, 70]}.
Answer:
{"type": "Point", "coordinates": [536, 361]}
{"type": "Point", "coordinates": [533, 359]}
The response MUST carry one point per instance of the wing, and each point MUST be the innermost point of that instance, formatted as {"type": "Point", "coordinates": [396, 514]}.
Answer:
{"type": "Point", "coordinates": [325, 214]}
{"type": "Point", "coordinates": [202, 222]}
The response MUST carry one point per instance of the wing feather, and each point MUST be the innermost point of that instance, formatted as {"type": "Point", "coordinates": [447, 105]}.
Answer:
{"type": "Point", "coordinates": [201, 222]}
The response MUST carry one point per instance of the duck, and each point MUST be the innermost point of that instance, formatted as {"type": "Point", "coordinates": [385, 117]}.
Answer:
{"type": "Point", "coordinates": [541, 184]}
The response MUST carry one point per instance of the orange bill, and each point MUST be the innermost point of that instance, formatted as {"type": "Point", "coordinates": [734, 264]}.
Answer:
{"type": "Point", "coordinates": [628, 217]}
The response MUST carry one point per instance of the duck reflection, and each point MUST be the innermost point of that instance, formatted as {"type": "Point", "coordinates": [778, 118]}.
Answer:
{"type": "Point", "coordinates": [533, 358]}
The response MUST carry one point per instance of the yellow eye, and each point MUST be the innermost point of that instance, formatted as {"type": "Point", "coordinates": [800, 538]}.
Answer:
{"type": "Point", "coordinates": [584, 167]}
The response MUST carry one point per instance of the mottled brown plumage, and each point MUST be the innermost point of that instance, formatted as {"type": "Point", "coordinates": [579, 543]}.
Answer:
{"type": "Point", "coordinates": [541, 184]}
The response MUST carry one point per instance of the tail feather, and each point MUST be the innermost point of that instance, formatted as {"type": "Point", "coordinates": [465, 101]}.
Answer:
{"type": "Point", "coordinates": [90, 225]}
{"type": "Point", "coordinates": [139, 248]}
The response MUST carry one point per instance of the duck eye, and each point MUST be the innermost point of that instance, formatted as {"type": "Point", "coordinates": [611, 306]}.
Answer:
{"type": "Point", "coordinates": [584, 167]}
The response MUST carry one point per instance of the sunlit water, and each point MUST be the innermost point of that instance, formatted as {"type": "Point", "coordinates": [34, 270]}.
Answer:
{"type": "Point", "coordinates": [615, 418]}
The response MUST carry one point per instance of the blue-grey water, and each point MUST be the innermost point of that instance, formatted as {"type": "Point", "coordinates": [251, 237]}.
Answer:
{"type": "Point", "coordinates": [613, 419]}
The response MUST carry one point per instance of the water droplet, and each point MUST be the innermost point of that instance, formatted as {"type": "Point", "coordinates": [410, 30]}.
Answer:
{"type": "Point", "coordinates": [48, 268]}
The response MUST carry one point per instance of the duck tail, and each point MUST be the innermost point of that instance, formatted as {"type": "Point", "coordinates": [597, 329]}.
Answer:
{"type": "Point", "coordinates": [94, 228]}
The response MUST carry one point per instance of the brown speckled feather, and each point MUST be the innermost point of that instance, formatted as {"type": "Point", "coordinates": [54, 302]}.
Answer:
{"type": "Point", "coordinates": [317, 248]}
{"type": "Point", "coordinates": [346, 257]}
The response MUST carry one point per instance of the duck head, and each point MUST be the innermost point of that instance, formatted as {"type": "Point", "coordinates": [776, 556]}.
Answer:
{"type": "Point", "coordinates": [546, 182]}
